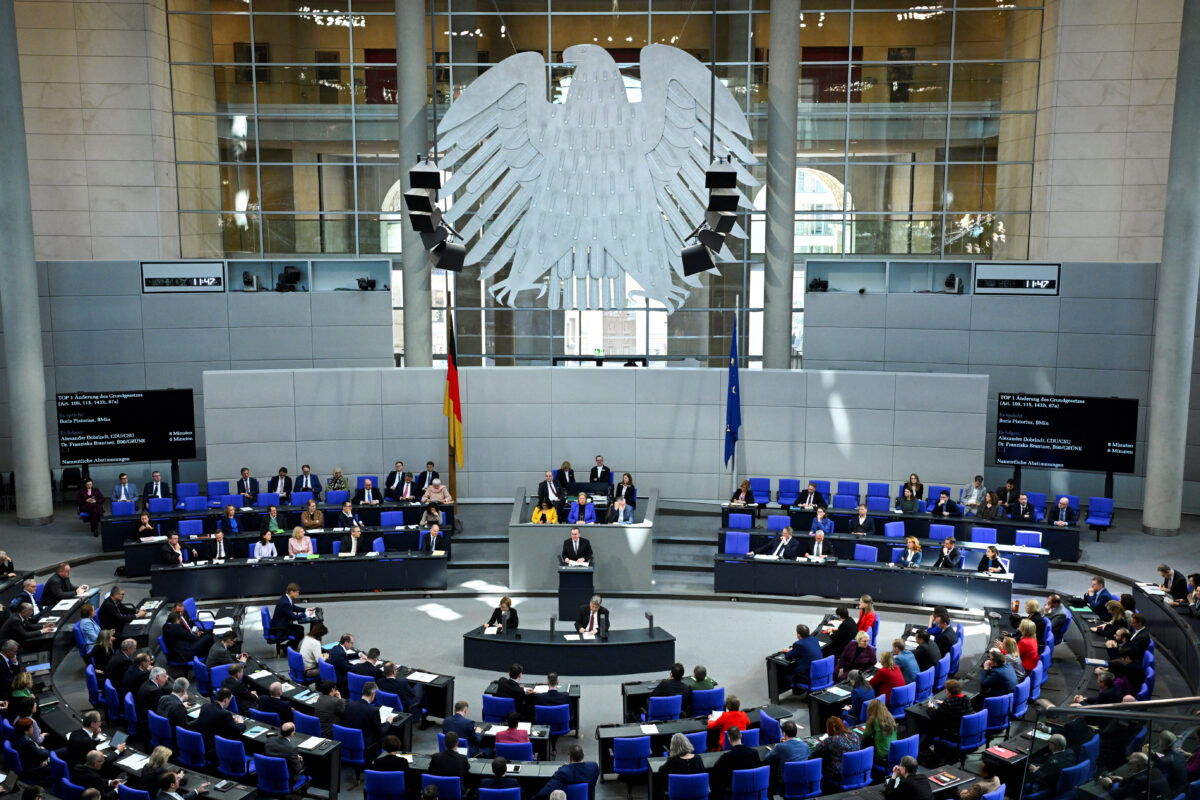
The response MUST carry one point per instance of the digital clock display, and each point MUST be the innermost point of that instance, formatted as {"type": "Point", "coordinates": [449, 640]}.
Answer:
{"type": "Point", "coordinates": [1016, 283]}
{"type": "Point", "coordinates": [183, 282]}
{"type": "Point", "coordinates": [160, 277]}
{"type": "Point", "coordinates": [1016, 278]}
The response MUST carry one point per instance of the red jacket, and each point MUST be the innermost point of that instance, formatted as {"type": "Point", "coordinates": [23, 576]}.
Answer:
{"type": "Point", "coordinates": [729, 719]}
{"type": "Point", "coordinates": [1028, 650]}
{"type": "Point", "coordinates": [885, 679]}
{"type": "Point", "coordinates": [866, 620]}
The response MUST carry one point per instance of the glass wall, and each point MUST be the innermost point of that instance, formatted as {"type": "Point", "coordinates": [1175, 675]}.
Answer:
{"type": "Point", "coordinates": [916, 127]}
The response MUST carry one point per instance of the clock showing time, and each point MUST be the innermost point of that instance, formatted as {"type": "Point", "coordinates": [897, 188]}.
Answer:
{"type": "Point", "coordinates": [182, 276]}
{"type": "Point", "coordinates": [1016, 278]}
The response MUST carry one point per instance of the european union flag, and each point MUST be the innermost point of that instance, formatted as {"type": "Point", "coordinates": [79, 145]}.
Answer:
{"type": "Point", "coordinates": [733, 402]}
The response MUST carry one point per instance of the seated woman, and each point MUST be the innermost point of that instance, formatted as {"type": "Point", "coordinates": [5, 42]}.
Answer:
{"type": "Point", "coordinates": [1027, 647]}
{"type": "Point", "coordinates": [681, 758]}
{"type": "Point", "coordinates": [866, 613]}
{"type": "Point", "coordinates": [918, 488]}
{"type": "Point", "coordinates": [311, 650]}
{"type": "Point", "coordinates": [337, 482]}
{"type": "Point", "coordinates": [34, 759]}
{"type": "Point", "coordinates": [6, 566]}
{"type": "Point", "coordinates": [880, 729]}
{"type": "Point", "coordinates": [512, 733]}
{"type": "Point", "coordinates": [545, 514]}
{"type": "Point", "coordinates": [991, 562]}
{"type": "Point", "coordinates": [100, 654]}
{"type": "Point", "coordinates": [887, 677]}
{"type": "Point", "coordinates": [839, 741]}
{"type": "Point", "coordinates": [504, 615]}
{"type": "Point", "coordinates": [625, 490]}
{"type": "Point", "coordinates": [228, 521]}
{"type": "Point", "coordinates": [1118, 618]}
{"type": "Point", "coordinates": [300, 544]}
{"type": "Point", "coordinates": [859, 654]}
{"type": "Point", "coordinates": [744, 496]}
{"type": "Point", "coordinates": [990, 508]}
{"type": "Point", "coordinates": [733, 717]}
{"type": "Point", "coordinates": [860, 694]}
{"type": "Point", "coordinates": [907, 504]}
{"type": "Point", "coordinates": [588, 513]}
{"type": "Point", "coordinates": [88, 627]}
{"type": "Point", "coordinates": [90, 502]}
{"type": "Point", "coordinates": [821, 523]}
{"type": "Point", "coordinates": [911, 557]}
{"type": "Point", "coordinates": [264, 547]}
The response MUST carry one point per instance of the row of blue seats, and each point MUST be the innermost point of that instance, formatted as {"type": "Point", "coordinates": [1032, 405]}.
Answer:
{"type": "Point", "coordinates": [894, 530]}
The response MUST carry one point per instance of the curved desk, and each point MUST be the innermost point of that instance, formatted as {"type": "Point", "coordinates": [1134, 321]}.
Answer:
{"type": "Point", "coordinates": [1176, 632]}
{"type": "Point", "coordinates": [907, 585]}
{"type": "Point", "coordinates": [268, 577]}
{"type": "Point", "coordinates": [625, 651]}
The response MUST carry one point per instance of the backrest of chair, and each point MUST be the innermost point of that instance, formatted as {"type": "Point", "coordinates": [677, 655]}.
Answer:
{"type": "Point", "coordinates": [856, 767]}
{"type": "Point", "coordinates": [970, 731]}
{"type": "Point", "coordinates": [557, 717]}
{"type": "Point", "coordinates": [69, 790]}
{"type": "Point", "coordinates": [186, 490]}
{"type": "Point", "coordinates": [933, 493]}
{"type": "Point", "coordinates": [234, 500]}
{"type": "Point", "coordinates": [388, 699]}
{"type": "Point", "coordinates": [391, 519]}
{"type": "Point", "coordinates": [683, 787]}
{"type": "Point", "coordinates": [879, 490]}
{"type": "Point", "coordinates": [374, 481]}
{"type": "Point", "coordinates": [12, 761]}
{"type": "Point", "coordinates": [326, 671]}
{"type": "Point", "coordinates": [822, 487]}
{"type": "Point", "coordinates": [1028, 539]}
{"type": "Point", "coordinates": [1147, 660]}
{"type": "Point", "coordinates": [160, 729]}
{"type": "Point", "coordinates": [265, 499]}
{"type": "Point", "coordinates": [865, 552]}
{"type": "Point", "coordinates": [982, 535]}
{"type": "Point", "coordinates": [1074, 776]}
{"type": "Point", "coordinates": [741, 521]}
{"type": "Point", "coordinates": [1090, 750]}
{"type": "Point", "coordinates": [517, 751]}
{"type": "Point", "coordinates": [998, 794]}
{"type": "Point", "coordinates": [160, 505]}
{"type": "Point", "coordinates": [1100, 505]}
{"type": "Point", "coordinates": [737, 543]}
{"type": "Point", "coordinates": [667, 707]}
{"type": "Point", "coordinates": [941, 671]}
{"type": "Point", "coordinates": [306, 723]}
{"type": "Point", "coordinates": [878, 504]}
{"type": "Point", "coordinates": [1020, 697]}
{"type": "Point", "coordinates": [750, 737]}
{"type": "Point", "coordinates": [216, 488]}
{"type": "Point", "coordinates": [789, 487]}
{"type": "Point", "coordinates": [122, 508]}
{"type": "Point", "coordinates": [820, 669]}
{"type": "Point", "coordinates": [761, 488]}
{"type": "Point", "coordinates": [190, 527]}
{"type": "Point", "coordinates": [93, 685]}
{"type": "Point", "coordinates": [750, 781]}
{"type": "Point", "coordinates": [217, 676]}
{"type": "Point", "coordinates": [844, 501]}
{"type": "Point", "coordinates": [129, 793]}
{"type": "Point", "coordinates": [899, 748]}
{"type": "Point", "coordinates": [939, 531]}
{"type": "Point", "coordinates": [768, 725]}
{"type": "Point", "coordinates": [496, 709]}
{"type": "Point", "coordinates": [231, 755]}
{"type": "Point", "coordinates": [801, 778]}
{"type": "Point", "coordinates": [300, 499]}
{"type": "Point", "coordinates": [390, 786]}
{"type": "Point", "coordinates": [894, 529]}
{"type": "Point", "coordinates": [337, 497]}
{"type": "Point", "coordinates": [924, 685]}
{"type": "Point", "coordinates": [272, 774]}
{"type": "Point", "coordinates": [902, 697]}
{"type": "Point", "coordinates": [191, 746]}
{"type": "Point", "coordinates": [356, 682]}
{"type": "Point", "coordinates": [449, 788]}
{"type": "Point", "coordinates": [352, 742]}
{"type": "Point", "coordinates": [269, 717]}
{"type": "Point", "coordinates": [1037, 500]}
{"type": "Point", "coordinates": [1072, 500]}
{"type": "Point", "coordinates": [295, 664]}
{"type": "Point", "coordinates": [1035, 681]}
{"type": "Point", "coordinates": [998, 709]}
{"type": "Point", "coordinates": [707, 700]}
{"type": "Point", "coordinates": [195, 503]}
{"type": "Point", "coordinates": [897, 552]}
{"type": "Point", "coordinates": [777, 522]}
{"type": "Point", "coordinates": [129, 708]}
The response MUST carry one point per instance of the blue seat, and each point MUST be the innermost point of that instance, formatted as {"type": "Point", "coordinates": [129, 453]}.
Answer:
{"type": "Point", "coordinates": [190, 527]}
{"type": "Point", "coordinates": [441, 737]}
{"type": "Point", "coordinates": [955, 656]}
{"type": "Point", "coordinates": [159, 505]}
{"type": "Point", "coordinates": [388, 699]}
{"type": "Point", "coordinates": [122, 508]}
{"type": "Point", "coordinates": [849, 488]}
{"type": "Point", "coordinates": [217, 489]}
{"type": "Point", "coordinates": [234, 500]}
{"type": "Point", "coordinates": [1147, 689]}
{"type": "Point", "coordinates": [269, 636]}
{"type": "Point", "coordinates": [217, 676]}
{"type": "Point", "coordinates": [377, 545]}
{"type": "Point", "coordinates": [998, 794]}
{"type": "Point", "coordinates": [131, 716]}
{"type": "Point", "coordinates": [516, 751]}
{"type": "Point", "coordinates": [356, 682]}
{"type": "Point", "coordinates": [844, 501]}
{"type": "Point", "coordinates": [750, 738]}
{"type": "Point", "coordinates": [924, 685]}
{"type": "Point", "coordinates": [998, 709]}
{"type": "Point", "coordinates": [374, 481]}
{"type": "Point", "coordinates": [266, 499]}
{"type": "Point", "coordinates": [1100, 514]}
{"type": "Point", "coordinates": [983, 535]}
{"type": "Point", "coordinates": [273, 777]}
{"type": "Point", "coordinates": [741, 521]}
{"type": "Point", "coordinates": [391, 519]}
{"type": "Point", "coordinates": [941, 671]}
{"type": "Point", "coordinates": [1147, 660]}
{"type": "Point", "coordinates": [762, 490]}
{"type": "Point", "coordinates": [306, 723]}
{"type": "Point", "coordinates": [801, 779]}
{"type": "Point", "coordinates": [768, 726]}
{"type": "Point", "coordinates": [189, 605]}
{"type": "Point", "coordinates": [939, 531]}
{"type": "Point", "coordinates": [705, 701]}
{"type": "Point", "coordinates": [70, 791]}
{"type": "Point", "coordinates": [897, 552]}
{"type": "Point", "coordinates": [664, 708]}
{"type": "Point", "coordinates": [190, 748]}
{"type": "Point", "coordinates": [337, 546]}
{"type": "Point", "coordinates": [1020, 702]}
{"type": "Point", "coordinates": [789, 492]}
{"type": "Point", "coordinates": [865, 552]}
{"type": "Point", "coordinates": [1072, 500]}
{"type": "Point", "coordinates": [186, 490]}
{"type": "Point", "coordinates": [269, 717]}
{"type": "Point", "coordinates": [894, 529]}
{"type": "Point", "coordinates": [203, 685]}
{"type": "Point", "coordinates": [231, 759]}
{"type": "Point", "coordinates": [683, 787]}
{"type": "Point", "coordinates": [901, 698]}
{"type": "Point", "coordinates": [354, 750]}
{"type": "Point", "coordinates": [300, 499]}
{"type": "Point", "coordinates": [12, 759]}
{"type": "Point", "coordinates": [777, 522]}
{"type": "Point", "coordinates": [326, 671]}
{"type": "Point", "coordinates": [1090, 751]}
{"type": "Point", "coordinates": [878, 490]}
{"type": "Point", "coordinates": [127, 793]}
{"type": "Point", "coordinates": [820, 676]}
{"type": "Point", "coordinates": [630, 754]}
{"type": "Point", "coordinates": [1038, 501]}
{"type": "Point", "coordinates": [497, 709]}
{"type": "Point", "coordinates": [296, 668]}
{"type": "Point", "coordinates": [970, 736]}
{"type": "Point", "coordinates": [390, 786]}
{"type": "Point", "coordinates": [95, 698]}
{"type": "Point", "coordinates": [878, 504]}
{"type": "Point", "coordinates": [113, 701]}
{"type": "Point", "coordinates": [1068, 780]}
{"type": "Point", "coordinates": [337, 497]}
{"type": "Point", "coordinates": [1028, 539]}
{"type": "Point", "coordinates": [197, 503]}
{"type": "Point", "coordinates": [557, 717]}
{"type": "Point", "coordinates": [449, 788]}
{"type": "Point", "coordinates": [1060, 630]}
{"type": "Point", "coordinates": [750, 784]}
{"type": "Point", "coordinates": [1035, 681]}
{"type": "Point", "coordinates": [161, 734]}
{"type": "Point", "coordinates": [171, 660]}
{"type": "Point", "coordinates": [737, 543]}
{"type": "Point", "coordinates": [898, 749]}
{"type": "Point", "coordinates": [932, 493]}
{"type": "Point", "coordinates": [856, 768]}
{"type": "Point", "coordinates": [822, 487]}
{"type": "Point", "coordinates": [58, 771]}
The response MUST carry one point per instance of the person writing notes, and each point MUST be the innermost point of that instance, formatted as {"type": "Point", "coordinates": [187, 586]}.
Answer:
{"type": "Point", "coordinates": [504, 615]}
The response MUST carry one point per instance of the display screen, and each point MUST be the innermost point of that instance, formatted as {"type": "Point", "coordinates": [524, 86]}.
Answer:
{"type": "Point", "coordinates": [1061, 432]}
{"type": "Point", "coordinates": [119, 427]}
{"type": "Point", "coordinates": [1017, 283]}
{"type": "Point", "coordinates": [159, 277]}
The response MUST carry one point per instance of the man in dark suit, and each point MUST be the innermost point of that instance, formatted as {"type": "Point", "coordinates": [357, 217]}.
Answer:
{"type": "Point", "coordinates": [449, 762]}
{"type": "Point", "coordinates": [273, 703]}
{"type": "Point", "coordinates": [785, 547]}
{"type": "Point", "coordinates": [20, 626]}
{"type": "Point", "coordinates": [119, 663]}
{"type": "Point", "coordinates": [285, 621]}
{"type": "Point", "coordinates": [168, 788]}
{"type": "Point", "coordinates": [339, 656]}
{"type": "Point", "coordinates": [600, 473]}
{"type": "Point", "coordinates": [945, 507]}
{"type": "Point", "coordinates": [224, 653]}
{"type": "Point", "coordinates": [673, 685]}
{"type": "Point", "coordinates": [171, 553]}
{"type": "Point", "coordinates": [552, 492]}
{"type": "Point", "coordinates": [59, 587]}
{"type": "Point", "coordinates": [738, 756]}
{"type": "Point", "coordinates": [368, 665]}
{"type": "Point", "coordinates": [510, 686]}
{"type": "Point", "coordinates": [1022, 509]}
{"type": "Point", "coordinates": [946, 636]}
{"type": "Point", "coordinates": [1109, 693]}
{"type": "Point", "coordinates": [592, 618]}
{"type": "Point", "coordinates": [926, 651]}
{"type": "Point", "coordinates": [499, 779]}
{"type": "Point", "coordinates": [817, 546]}
{"type": "Point", "coordinates": [576, 770]}
{"type": "Point", "coordinates": [86, 739]}
{"type": "Point", "coordinates": [424, 479]}
{"type": "Point", "coordinates": [284, 746]}
{"type": "Point", "coordinates": [905, 784]}
{"type": "Point", "coordinates": [172, 706]}
{"type": "Point", "coordinates": [552, 696]}
{"type": "Point", "coordinates": [9, 667]}
{"type": "Point", "coordinates": [28, 595]}
{"type": "Point", "coordinates": [87, 775]}
{"type": "Point", "coordinates": [244, 696]}
{"type": "Point", "coordinates": [861, 523]}
{"type": "Point", "coordinates": [368, 495]}
{"type": "Point", "coordinates": [136, 675]}
{"type": "Point", "coordinates": [810, 497]}
{"type": "Point", "coordinates": [155, 487]}
{"type": "Point", "coordinates": [393, 482]}
{"type": "Point", "coordinates": [216, 548]}
{"type": "Point", "coordinates": [247, 487]}
{"type": "Point", "coordinates": [949, 555]}
{"type": "Point", "coordinates": [217, 720]}
{"type": "Point", "coordinates": [392, 758]}
{"type": "Point", "coordinates": [464, 728]}
{"type": "Point", "coordinates": [1063, 515]}
{"type": "Point", "coordinates": [803, 652]}
{"type": "Point", "coordinates": [1139, 637]}
{"type": "Point", "coordinates": [354, 544]}
{"type": "Point", "coordinates": [1045, 773]}
{"type": "Point", "coordinates": [184, 644]}
{"type": "Point", "coordinates": [364, 716]}
{"type": "Point", "coordinates": [306, 481]}
{"type": "Point", "coordinates": [1173, 582]}
{"type": "Point", "coordinates": [114, 614]}
{"type": "Point", "coordinates": [1009, 494]}
{"type": "Point", "coordinates": [576, 548]}
{"type": "Point", "coordinates": [150, 692]}
{"type": "Point", "coordinates": [411, 697]}
{"type": "Point", "coordinates": [282, 485]}
{"type": "Point", "coordinates": [843, 634]}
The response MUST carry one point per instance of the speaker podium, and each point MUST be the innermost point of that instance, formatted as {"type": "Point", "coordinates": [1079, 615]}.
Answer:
{"type": "Point", "coordinates": [575, 588]}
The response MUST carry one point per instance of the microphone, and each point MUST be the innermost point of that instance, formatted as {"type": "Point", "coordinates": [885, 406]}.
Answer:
{"type": "Point", "coordinates": [552, 621]}
{"type": "Point", "coordinates": [650, 623]}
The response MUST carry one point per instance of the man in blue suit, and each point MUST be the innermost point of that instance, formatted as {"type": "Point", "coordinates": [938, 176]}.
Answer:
{"type": "Point", "coordinates": [124, 491]}
{"type": "Point", "coordinates": [576, 770]}
{"type": "Point", "coordinates": [462, 725]}
{"type": "Point", "coordinates": [804, 651]}
{"type": "Point", "coordinates": [284, 622]}
{"type": "Point", "coordinates": [339, 656]}
{"type": "Point", "coordinates": [306, 481]}
{"type": "Point", "coordinates": [155, 487]}
{"type": "Point", "coordinates": [1097, 597]}
{"type": "Point", "coordinates": [788, 749]}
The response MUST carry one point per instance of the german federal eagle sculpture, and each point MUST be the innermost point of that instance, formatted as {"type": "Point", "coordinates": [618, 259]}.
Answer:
{"type": "Point", "coordinates": [589, 190]}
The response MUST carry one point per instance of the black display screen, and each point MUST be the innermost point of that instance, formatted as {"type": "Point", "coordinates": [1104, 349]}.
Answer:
{"type": "Point", "coordinates": [1062, 432]}
{"type": "Point", "coordinates": [119, 427]}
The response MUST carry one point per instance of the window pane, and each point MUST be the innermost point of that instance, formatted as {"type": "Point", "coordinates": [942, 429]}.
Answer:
{"type": "Point", "coordinates": [920, 87]}
{"type": "Point", "coordinates": [1000, 34]}
{"type": "Point", "coordinates": [918, 137]}
{"type": "Point", "coordinates": [308, 233]}
{"type": "Point", "coordinates": [894, 234]}
{"type": "Point", "coordinates": [897, 186]}
{"type": "Point", "coordinates": [923, 34]}
{"type": "Point", "coordinates": [1010, 86]}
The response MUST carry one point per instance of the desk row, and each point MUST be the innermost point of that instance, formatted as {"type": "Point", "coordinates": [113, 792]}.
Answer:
{"type": "Point", "coordinates": [316, 575]}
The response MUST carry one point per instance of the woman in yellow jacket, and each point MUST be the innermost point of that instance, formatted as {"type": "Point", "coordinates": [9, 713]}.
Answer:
{"type": "Point", "coordinates": [545, 514]}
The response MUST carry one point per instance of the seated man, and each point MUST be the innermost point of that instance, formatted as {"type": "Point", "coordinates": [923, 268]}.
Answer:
{"type": "Point", "coordinates": [576, 770]}
{"type": "Point", "coordinates": [247, 487]}
{"type": "Point", "coordinates": [552, 492]}
{"type": "Point", "coordinates": [306, 481]}
{"type": "Point", "coordinates": [284, 746]}
{"type": "Point", "coordinates": [124, 491]}
{"type": "Point", "coordinates": [998, 679]}
{"type": "Point", "coordinates": [155, 487]}
{"type": "Point", "coordinates": [737, 757]}
{"type": "Point", "coordinates": [1097, 597]}
{"type": "Point", "coordinates": [973, 495]}
{"type": "Point", "coordinates": [785, 547]}
{"type": "Point", "coordinates": [1063, 515]}
{"type": "Point", "coordinates": [273, 703]}
{"type": "Point", "coordinates": [619, 513]}
{"type": "Point", "coordinates": [1022, 509]}
{"type": "Point", "coordinates": [818, 547]}
{"type": "Point", "coordinates": [803, 652]}
{"type": "Point", "coordinates": [949, 556]}
{"type": "Point", "coordinates": [1108, 692]}
{"type": "Point", "coordinates": [364, 716]}
{"type": "Point", "coordinates": [1046, 765]}
{"type": "Point", "coordinates": [463, 727]}
{"type": "Point", "coordinates": [411, 695]}
{"type": "Point", "coordinates": [674, 685]}
{"type": "Point", "coordinates": [592, 618]}
{"type": "Point", "coordinates": [905, 782]}
{"type": "Point", "coordinates": [353, 543]}
{"type": "Point", "coordinates": [368, 495]}
{"type": "Point", "coordinates": [945, 507]}
{"type": "Point", "coordinates": [810, 498]}
{"type": "Point", "coordinates": [282, 485]}
{"type": "Point", "coordinates": [393, 482]}
{"type": "Point", "coordinates": [860, 523]}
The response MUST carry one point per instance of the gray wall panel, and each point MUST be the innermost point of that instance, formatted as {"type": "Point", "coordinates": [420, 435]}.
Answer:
{"type": "Point", "coordinates": [259, 425]}
{"type": "Point", "coordinates": [172, 345]}
{"type": "Point", "coordinates": [849, 344]}
{"type": "Point", "coordinates": [75, 349]}
{"type": "Point", "coordinates": [350, 308]}
{"type": "Point", "coordinates": [86, 313]}
{"type": "Point", "coordinates": [510, 385]}
{"type": "Point", "coordinates": [532, 422]}
{"type": "Point", "coordinates": [773, 424]}
{"type": "Point", "coordinates": [354, 456]}
{"type": "Point", "coordinates": [849, 426]}
{"type": "Point", "coordinates": [829, 389]}
{"type": "Point", "coordinates": [845, 310]}
{"type": "Point", "coordinates": [778, 459]}
{"type": "Point", "coordinates": [1097, 351]}
{"type": "Point", "coordinates": [1112, 315]}
{"type": "Point", "coordinates": [353, 363]}
{"type": "Point", "coordinates": [584, 419]}
{"type": "Point", "coordinates": [927, 367]}
{"type": "Point", "coordinates": [64, 278]}
{"type": "Point", "coordinates": [341, 387]}
{"type": "Point", "coordinates": [106, 378]}
{"type": "Point", "coordinates": [1104, 279]}
{"type": "Point", "coordinates": [1005, 313]}
{"type": "Point", "coordinates": [228, 389]}
{"type": "Point", "coordinates": [700, 455]}
{"type": "Point", "coordinates": [576, 386]}
{"type": "Point", "coordinates": [862, 462]}
{"type": "Point", "coordinates": [938, 393]}
{"type": "Point", "coordinates": [270, 343]}
{"type": "Point", "coordinates": [933, 347]}
{"type": "Point", "coordinates": [269, 309]}
{"type": "Point", "coordinates": [400, 422]}
{"type": "Point", "coordinates": [263, 459]}
{"type": "Point", "coordinates": [354, 422]}
{"type": "Point", "coordinates": [768, 387]}
{"type": "Point", "coordinates": [673, 421]}
{"type": "Point", "coordinates": [919, 310]}
{"type": "Point", "coordinates": [495, 454]}
{"type": "Point", "coordinates": [185, 311]}
{"type": "Point", "coordinates": [943, 428]}
{"type": "Point", "coordinates": [840, 364]}
{"type": "Point", "coordinates": [1014, 348]}
{"type": "Point", "coordinates": [402, 386]}
{"type": "Point", "coordinates": [687, 386]}
{"type": "Point", "coordinates": [349, 341]}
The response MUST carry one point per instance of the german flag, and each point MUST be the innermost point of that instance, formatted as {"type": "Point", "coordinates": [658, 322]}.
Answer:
{"type": "Point", "coordinates": [452, 404]}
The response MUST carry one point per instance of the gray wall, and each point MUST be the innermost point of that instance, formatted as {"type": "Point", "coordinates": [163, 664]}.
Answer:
{"type": "Point", "coordinates": [666, 426]}
{"type": "Point", "coordinates": [1095, 338]}
{"type": "Point", "coordinates": [101, 333]}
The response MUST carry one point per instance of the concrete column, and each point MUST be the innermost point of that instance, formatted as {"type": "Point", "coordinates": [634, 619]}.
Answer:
{"type": "Point", "coordinates": [411, 85]}
{"type": "Point", "coordinates": [1175, 309]}
{"type": "Point", "coordinates": [19, 294]}
{"type": "Point", "coordinates": [783, 98]}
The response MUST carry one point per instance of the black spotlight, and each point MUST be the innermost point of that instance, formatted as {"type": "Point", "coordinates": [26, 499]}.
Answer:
{"type": "Point", "coordinates": [711, 239]}
{"type": "Point", "coordinates": [421, 200]}
{"type": "Point", "coordinates": [720, 221]}
{"type": "Point", "coordinates": [450, 255]}
{"type": "Point", "coordinates": [697, 259]}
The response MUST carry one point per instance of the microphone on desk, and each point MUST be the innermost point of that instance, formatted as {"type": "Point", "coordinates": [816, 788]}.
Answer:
{"type": "Point", "coordinates": [650, 623]}
{"type": "Point", "coordinates": [552, 620]}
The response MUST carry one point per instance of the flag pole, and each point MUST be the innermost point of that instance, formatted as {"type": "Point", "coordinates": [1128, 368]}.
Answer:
{"type": "Point", "coordinates": [737, 313]}
{"type": "Point", "coordinates": [451, 349]}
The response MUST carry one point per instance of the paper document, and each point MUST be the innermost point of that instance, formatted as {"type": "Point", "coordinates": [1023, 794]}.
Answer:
{"type": "Point", "coordinates": [153, 539]}
{"type": "Point", "coordinates": [63, 605]}
{"type": "Point", "coordinates": [343, 555]}
{"type": "Point", "coordinates": [650, 729]}
{"type": "Point", "coordinates": [422, 677]}
{"type": "Point", "coordinates": [571, 637]}
{"type": "Point", "coordinates": [316, 530]}
{"type": "Point", "coordinates": [764, 557]}
{"type": "Point", "coordinates": [589, 637]}
{"type": "Point", "coordinates": [262, 673]}
{"type": "Point", "coordinates": [133, 763]}
{"type": "Point", "coordinates": [138, 622]}
{"type": "Point", "coordinates": [541, 688]}
{"type": "Point", "coordinates": [838, 691]}
{"type": "Point", "coordinates": [438, 553]}
{"type": "Point", "coordinates": [255, 732]}
{"type": "Point", "coordinates": [490, 631]}
{"type": "Point", "coordinates": [384, 713]}
{"type": "Point", "coordinates": [247, 508]}
{"type": "Point", "coordinates": [311, 743]}
{"type": "Point", "coordinates": [287, 686]}
{"type": "Point", "coordinates": [1095, 662]}
{"type": "Point", "coordinates": [525, 726]}
{"type": "Point", "coordinates": [224, 622]}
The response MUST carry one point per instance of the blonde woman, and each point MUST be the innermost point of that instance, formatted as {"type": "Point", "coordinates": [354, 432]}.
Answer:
{"type": "Point", "coordinates": [300, 544]}
{"type": "Point", "coordinates": [911, 557]}
{"type": "Point", "coordinates": [880, 729]}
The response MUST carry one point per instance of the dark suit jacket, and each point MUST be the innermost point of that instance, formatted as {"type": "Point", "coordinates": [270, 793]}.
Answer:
{"type": "Point", "coordinates": [181, 644]}
{"type": "Point", "coordinates": [627, 492]}
{"type": "Point", "coordinates": [219, 656]}
{"type": "Point", "coordinates": [264, 524]}
{"type": "Point", "coordinates": [241, 487]}
{"type": "Point", "coordinates": [209, 548]}
{"type": "Point", "coordinates": [401, 688]}
{"type": "Point", "coordinates": [243, 694]}
{"type": "Point", "coordinates": [585, 611]}
{"type": "Point", "coordinates": [544, 493]}
{"type": "Point", "coordinates": [391, 762]}
{"type": "Point", "coordinates": [314, 485]}
{"type": "Point", "coordinates": [553, 697]}
{"type": "Point", "coordinates": [927, 655]}
{"type": "Point", "coordinates": [88, 778]}
{"type": "Point", "coordinates": [802, 654]}
{"type": "Point", "coordinates": [423, 479]}
{"type": "Point", "coordinates": [57, 588]}
{"type": "Point", "coordinates": [669, 687]}
{"type": "Point", "coordinates": [948, 560]}
{"type": "Point", "coordinates": [114, 671]}
{"type": "Point", "coordinates": [1053, 515]}
{"type": "Point", "coordinates": [499, 783]}
{"type": "Point", "coordinates": [867, 525]}
{"type": "Point", "coordinates": [842, 636]}
{"type": "Point", "coordinates": [279, 747]}
{"type": "Point", "coordinates": [913, 787]}
{"type": "Point", "coordinates": [372, 671]}
{"type": "Point", "coordinates": [570, 773]}
{"type": "Point", "coordinates": [276, 705]}
{"type": "Point", "coordinates": [273, 485]}
{"type": "Point", "coordinates": [79, 744]}
{"type": "Point", "coordinates": [17, 629]}
{"type": "Point", "coordinates": [147, 697]}
{"type": "Point", "coordinates": [951, 506]}
{"type": "Point", "coordinates": [815, 499]}
{"type": "Point", "coordinates": [169, 556]}
{"type": "Point", "coordinates": [564, 477]}
{"type": "Point", "coordinates": [465, 729]}
{"type": "Point", "coordinates": [600, 475]}
{"type": "Point", "coordinates": [217, 721]}
{"type": "Point", "coordinates": [360, 496]}
{"type": "Point", "coordinates": [171, 707]}
{"type": "Point", "coordinates": [507, 687]}
{"type": "Point", "coordinates": [1178, 588]}
{"type": "Point", "coordinates": [133, 680]}
{"type": "Point", "coordinates": [451, 763]}
{"type": "Point", "coordinates": [364, 544]}
{"type": "Point", "coordinates": [286, 613]}
{"type": "Point", "coordinates": [793, 548]}
{"type": "Point", "coordinates": [513, 619]}
{"type": "Point", "coordinates": [739, 757]}
{"type": "Point", "coordinates": [826, 548]}
{"type": "Point", "coordinates": [148, 489]}
{"type": "Point", "coordinates": [364, 717]}
{"type": "Point", "coordinates": [1016, 512]}
{"type": "Point", "coordinates": [226, 524]}
{"type": "Point", "coordinates": [112, 616]}
{"type": "Point", "coordinates": [585, 549]}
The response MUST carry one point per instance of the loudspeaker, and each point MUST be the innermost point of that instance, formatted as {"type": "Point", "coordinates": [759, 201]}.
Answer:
{"type": "Point", "coordinates": [723, 200]}
{"type": "Point", "coordinates": [696, 259]}
{"type": "Point", "coordinates": [720, 221]}
{"type": "Point", "coordinates": [426, 223]}
{"type": "Point", "coordinates": [711, 239]}
{"type": "Point", "coordinates": [450, 256]}
{"type": "Point", "coordinates": [425, 175]}
{"type": "Point", "coordinates": [422, 200]}
{"type": "Point", "coordinates": [431, 239]}
{"type": "Point", "coordinates": [720, 175]}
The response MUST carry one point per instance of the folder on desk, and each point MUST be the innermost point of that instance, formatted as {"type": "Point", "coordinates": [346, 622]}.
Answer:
{"type": "Point", "coordinates": [311, 743]}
